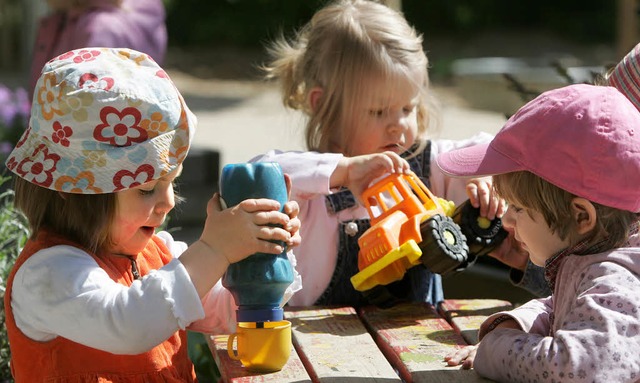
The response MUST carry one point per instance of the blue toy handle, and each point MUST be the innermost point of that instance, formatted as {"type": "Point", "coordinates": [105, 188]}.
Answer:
{"type": "Point", "coordinates": [253, 180]}
{"type": "Point", "coordinates": [258, 282]}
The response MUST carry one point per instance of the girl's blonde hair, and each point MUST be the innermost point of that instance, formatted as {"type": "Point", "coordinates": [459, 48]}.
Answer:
{"type": "Point", "coordinates": [339, 50]}
{"type": "Point", "coordinates": [532, 192]}
{"type": "Point", "coordinates": [83, 218]}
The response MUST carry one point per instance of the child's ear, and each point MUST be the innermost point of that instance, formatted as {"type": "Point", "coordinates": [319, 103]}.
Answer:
{"type": "Point", "coordinates": [315, 94]}
{"type": "Point", "coordinates": [584, 215]}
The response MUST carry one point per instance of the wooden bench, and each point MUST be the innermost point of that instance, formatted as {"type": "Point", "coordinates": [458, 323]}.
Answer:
{"type": "Point", "coordinates": [406, 343]}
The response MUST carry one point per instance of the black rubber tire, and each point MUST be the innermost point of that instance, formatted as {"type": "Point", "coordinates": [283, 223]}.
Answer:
{"type": "Point", "coordinates": [480, 240]}
{"type": "Point", "coordinates": [444, 247]}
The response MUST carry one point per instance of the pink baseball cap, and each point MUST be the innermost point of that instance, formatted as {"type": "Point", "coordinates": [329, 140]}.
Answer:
{"type": "Point", "coordinates": [581, 138]}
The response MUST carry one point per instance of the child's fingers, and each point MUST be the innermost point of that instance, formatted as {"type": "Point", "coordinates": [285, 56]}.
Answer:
{"type": "Point", "coordinates": [259, 204]}
{"type": "Point", "coordinates": [272, 233]}
{"type": "Point", "coordinates": [398, 164]}
{"type": "Point", "coordinates": [268, 247]}
{"type": "Point", "coordinates": [264, 218]}
{"type": "Point", "coordinates": [288, 183]}
{"type": "Point", "coordinates": [214, 204]}
{"type": "Point", "coordinates": [479, 195]}
{"type": "Point", "coordinates": [292, 209]}
{"type": "Point", "coordinates": [462, 356]}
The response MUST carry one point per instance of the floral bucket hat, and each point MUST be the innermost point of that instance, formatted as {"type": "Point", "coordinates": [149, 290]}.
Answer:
{"type": "Point", "coordinates": [102, 120]}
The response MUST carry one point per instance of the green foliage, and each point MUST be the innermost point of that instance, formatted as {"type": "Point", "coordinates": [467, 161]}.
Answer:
{"type": "Point", "coordinates": [13, 235]}
{"type": "Point", "coordinates": [200, 355]}
{"type": "Point", "coordinates": [247, 23]}
{"type": "Point", "coordinates": [250, 23]}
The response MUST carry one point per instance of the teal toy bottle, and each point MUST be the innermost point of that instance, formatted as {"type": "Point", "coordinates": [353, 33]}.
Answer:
{"type": "Point", "coordinates": [259, 281]}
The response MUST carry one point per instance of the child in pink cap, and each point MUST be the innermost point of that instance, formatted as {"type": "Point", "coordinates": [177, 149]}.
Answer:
{"type": "Point", "coordinates": [96, 294]}
{"type": "Point", "coordinates": [568, 164]}
{"type": "Point", "coordinates": [625, 77]}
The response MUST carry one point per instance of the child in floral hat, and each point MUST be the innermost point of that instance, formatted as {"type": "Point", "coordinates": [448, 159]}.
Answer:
{"type": "Point", "coordinates": [96, 294]}
{"type": "Point", "coordinates": [568, 164]}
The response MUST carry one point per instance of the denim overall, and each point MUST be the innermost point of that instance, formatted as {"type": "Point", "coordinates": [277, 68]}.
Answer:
{"type": "Point", "coordinates": [418, 284]}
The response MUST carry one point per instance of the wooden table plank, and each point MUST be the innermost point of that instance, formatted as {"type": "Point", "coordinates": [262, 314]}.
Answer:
{"type": "Point", "coordinates": [335, 346]}
{"type": "Point", "coordinates": [415, 339]}
{"type": "Point", "coordinates": [232, 371]}
{"type": "Point", "coordinates": [466, 315]}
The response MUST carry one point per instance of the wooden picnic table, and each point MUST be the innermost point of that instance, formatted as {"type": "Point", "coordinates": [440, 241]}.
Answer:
{"type": "Point", "coordinates": [406, 343]}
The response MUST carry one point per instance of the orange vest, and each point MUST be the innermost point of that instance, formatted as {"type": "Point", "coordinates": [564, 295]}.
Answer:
{"type": "Point", "coordinates": [64, 361]}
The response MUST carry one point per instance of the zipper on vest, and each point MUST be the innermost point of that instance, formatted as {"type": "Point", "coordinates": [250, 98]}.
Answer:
{"type": "Point", "coordinates": [134, 268]}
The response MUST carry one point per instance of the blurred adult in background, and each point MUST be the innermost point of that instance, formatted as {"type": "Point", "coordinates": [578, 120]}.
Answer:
{"type": "Point", "coordinates": [72, 24]}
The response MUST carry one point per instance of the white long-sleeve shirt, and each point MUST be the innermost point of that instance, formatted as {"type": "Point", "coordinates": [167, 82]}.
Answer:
{"type": "Point", "coordinates": [61, 291]}
{"type": "Point", "coordinates": [310, 173]}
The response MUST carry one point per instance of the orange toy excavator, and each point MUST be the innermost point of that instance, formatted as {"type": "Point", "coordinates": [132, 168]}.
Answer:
{"type": "Point", "coordinates": [410, 225]}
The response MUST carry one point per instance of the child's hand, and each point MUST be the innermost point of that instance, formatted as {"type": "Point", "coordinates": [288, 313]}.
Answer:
{"type": "Point", "coordinates": [482, 195]}
{"type": "Point", "coordinates": [357, 173]}
{"type": "Point", "coordinates": [464, 356]}
{"type": "Point", "coordinates": [292, 209]}
{"type": "Point", "coordinates": [244, 229]}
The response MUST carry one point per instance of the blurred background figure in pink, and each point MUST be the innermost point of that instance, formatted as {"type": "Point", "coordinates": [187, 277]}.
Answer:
{"type": "Point", "coordinates": [72, 24]}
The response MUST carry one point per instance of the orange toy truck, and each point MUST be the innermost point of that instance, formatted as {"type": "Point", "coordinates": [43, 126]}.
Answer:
{"type": "Point", "coordinates": [409, 226]}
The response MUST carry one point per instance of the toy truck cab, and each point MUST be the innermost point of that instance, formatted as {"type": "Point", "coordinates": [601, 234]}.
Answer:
{"type": "Point", "coordinates": [409, 225]}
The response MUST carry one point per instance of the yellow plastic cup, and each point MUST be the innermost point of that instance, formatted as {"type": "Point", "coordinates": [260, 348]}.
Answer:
{"type": "Point", "coordinates": [261, 349]}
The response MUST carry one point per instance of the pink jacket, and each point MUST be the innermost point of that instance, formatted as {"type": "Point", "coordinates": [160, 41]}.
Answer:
{"type": "Point", "coordinates": [587, 331]}
{"type": "Point", "coordinates": [135, 24]}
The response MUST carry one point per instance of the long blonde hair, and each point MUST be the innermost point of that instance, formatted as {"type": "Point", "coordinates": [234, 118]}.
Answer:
{"type": "Point", "coordinates": [343, 45]}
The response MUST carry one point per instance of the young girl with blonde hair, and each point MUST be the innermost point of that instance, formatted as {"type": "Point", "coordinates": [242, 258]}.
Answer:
{"type": "Point", "coordinates": [358, 71]}
{"type": "Point", "coordinates": [96, 295]}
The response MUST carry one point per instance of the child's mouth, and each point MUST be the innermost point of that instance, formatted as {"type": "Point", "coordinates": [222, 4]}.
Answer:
{"type": "Point", "coordinates": [395, 148]}
{"type": "Point", "coordinates": [149, 230]}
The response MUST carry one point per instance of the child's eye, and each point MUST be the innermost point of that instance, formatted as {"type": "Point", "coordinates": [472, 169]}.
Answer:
{"type": "Point", "coordinates": [376, 112]}
{"type": "Point", "coordinates": [516, 209]}
{"type": "Point", "coordinates": [408, 109]}
{"type": "Point", "coordinates": [146, 192]}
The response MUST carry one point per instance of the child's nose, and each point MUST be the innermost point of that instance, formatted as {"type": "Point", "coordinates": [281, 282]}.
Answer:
{"type": "Point", "coordinates": [166, 202]}
{"type": "Point", "coordinates": [508, 219]}
{"type": "Point", "coordinates": [397, 122]}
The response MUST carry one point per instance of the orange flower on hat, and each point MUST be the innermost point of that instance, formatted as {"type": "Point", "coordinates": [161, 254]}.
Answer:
{"type": "Point", "coordinates": [49, 95]}
{"type": "Point", "coordinates": [129, 55]}
{"type": "Point", "coordinates": [120, 128]}
{"type": "Point", "coordinates": [154, 125]}
{"type": "Point", "coordinates": [81, 184]}
{"type": "Point", "coordinates": [178, 150]}
{"type": "Point", "coordinates": [38, 167]}
{"type": "Point", "coordinates": [61, 134]}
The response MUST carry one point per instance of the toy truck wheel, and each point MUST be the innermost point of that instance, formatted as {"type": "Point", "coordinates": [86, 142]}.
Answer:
{"type": "Point", "coordinates": [444, 247]}
{"type": "Point", "coordinates": [482, 235]}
